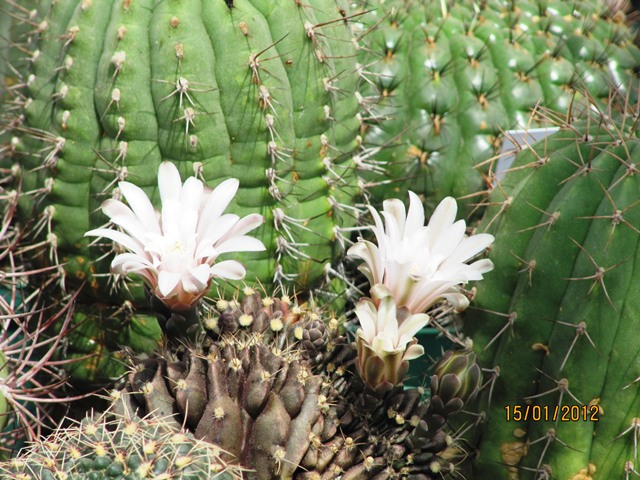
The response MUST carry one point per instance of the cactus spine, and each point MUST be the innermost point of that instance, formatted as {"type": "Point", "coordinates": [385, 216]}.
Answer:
{"type": "Point", "coordinates": [446, 78]}
{"type": "Point", "coordinates": [555, 324]}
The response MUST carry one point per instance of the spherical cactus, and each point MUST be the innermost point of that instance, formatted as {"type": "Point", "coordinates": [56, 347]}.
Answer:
{"type": "Point", "coordinates": [120, 448]}
{"type": "Point", "coordinates": [447, 78]}
{"type": "Point", "coordinates": [555, 323]}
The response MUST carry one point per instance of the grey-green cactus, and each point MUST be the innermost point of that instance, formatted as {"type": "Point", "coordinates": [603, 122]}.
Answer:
{"type": "Point", "coordinates": [447, 77]}
{"type": "Point", "coordinates": [104, 447]}
{"type": "Point", "coordinates": [556, 324]}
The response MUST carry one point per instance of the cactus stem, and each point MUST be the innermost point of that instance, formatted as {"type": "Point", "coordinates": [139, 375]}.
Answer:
{"type": "Point", "coordinates": [511, 318]}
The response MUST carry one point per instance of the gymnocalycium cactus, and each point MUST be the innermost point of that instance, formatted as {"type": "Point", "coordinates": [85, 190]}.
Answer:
{"type": "Point", "coordinates": [447, 77]}
{"type": "Point", "coordinates": [122, 447]}
{"type": "Point", "coordinates": [556, 324]}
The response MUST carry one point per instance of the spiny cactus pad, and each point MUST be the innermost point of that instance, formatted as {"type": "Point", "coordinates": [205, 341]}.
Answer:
{"type": "Point", "coordinates": [557, 322]}
{"type": "Point", "coordinates": [260, 91]}
{"type": "Point", "coordinates": [275, 387]}
{"type": "Point", "coordinates": [446, 77]}
{"type": "Point", "coordinates": [122, 448]}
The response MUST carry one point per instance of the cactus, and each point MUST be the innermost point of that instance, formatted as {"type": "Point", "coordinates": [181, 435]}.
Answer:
{"type": "Point", "coordinates": [556, 323]}
{"type": "Point", "coordinates": [273, 385]}
{"type": "Point", "coordinates": [33, 328]}
{"type": "Point", "coordinates": [263, 92]}
{"type": "Point", "coordinates": [124, 448]}
{"type": "Point", "coordinates": [105, 91]}
{"type": "Point", "coordinates": [446, 78]}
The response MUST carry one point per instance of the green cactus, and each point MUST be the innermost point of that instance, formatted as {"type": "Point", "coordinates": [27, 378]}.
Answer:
{"type": "Point", "coordinates": [119, 448]}
{"type": "Point", "coordinates": [259, 91]}
{"type": "Point", "coordinates": [446, 78]}
{"type": "Point", "coordinates": [103, 91]}
{"type": "Point", "coordinates": [274, 386]}
{"type": "Point", "coordinates": [556, 323]}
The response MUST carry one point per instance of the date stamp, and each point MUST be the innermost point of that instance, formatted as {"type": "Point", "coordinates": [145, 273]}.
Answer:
{"type": "Point", "coordinates": [545, 413]}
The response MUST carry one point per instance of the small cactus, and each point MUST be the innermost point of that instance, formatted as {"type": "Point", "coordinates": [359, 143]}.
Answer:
{"type": "Point", "coordinates": [104, 447]}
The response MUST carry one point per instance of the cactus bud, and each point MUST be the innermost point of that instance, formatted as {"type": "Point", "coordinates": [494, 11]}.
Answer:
{"type": "Point", "coordinates": [456, 380]}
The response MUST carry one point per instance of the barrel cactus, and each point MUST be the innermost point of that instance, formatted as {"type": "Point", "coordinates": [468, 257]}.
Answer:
{"type": "Point", "coordinates": [104, 91]}
{"type": "Point", "coordinates": [447, 78]}
{"type": "Point", "coordinates": [556, 323]}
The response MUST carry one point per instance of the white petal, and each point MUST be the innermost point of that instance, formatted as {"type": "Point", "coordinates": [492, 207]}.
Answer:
{"type": "Point", "coordinates": [140, 205]}
{"type": "Point", "coordinates": [167, 282]}
{"type": "Point", "coordinates": [218, 200]}
{"type": "Point", "coordinates": [413, 325]}
{"type": "Point", "coordinates": [469, 248]}
{"type": "Point", "coordinates": [443, 216]}
{"type": "Point", "coordinates": [415, 215]}
{"type": "Point", "coordinates": [123, 239]}
{"type": "Point", "coordinates": [366, 312]}
{"type": "Point", "coordinates": [229, 269]}
{"type": "Point", "coordinates": [459, 301]}
{"type": "Point", "coordinates": [245, 224]}
{"type": "Point", "coordinates": [169, 181]}
{"type": "Point", "coordinates": [395, 216]}
{"type": "Point", "coordinates": [191, 195]}
{"type": "Point", "coordinates": [240, 244]}
{"type": "Point", "coordinates": [414, 351]}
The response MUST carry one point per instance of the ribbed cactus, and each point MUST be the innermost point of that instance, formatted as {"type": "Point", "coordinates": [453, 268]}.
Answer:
{"type": "Point", "coordinates": [259, 91]}
{"type": "Point", "coordinates": [104, 447]}
{"type": "Point", "coordinates": [104, 91]}
{"type": "Point", "coordinates": [556, 324]}
{"type": "Point", "coordinates": [447, 77]}
{"type": "Point", "coordinates": [274, 386]}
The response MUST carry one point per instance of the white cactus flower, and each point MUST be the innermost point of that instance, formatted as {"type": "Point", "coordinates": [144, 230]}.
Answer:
{"type": "Point", "coordinates": [421, 265]}
{"type": "Point", "coordinates": [175, 250]}
{"type": "Point", "coordinates": [385, 341]}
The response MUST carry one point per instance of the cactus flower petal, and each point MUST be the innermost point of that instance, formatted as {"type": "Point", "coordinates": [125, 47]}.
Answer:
{"type": "Point", "coordinates": [175, 250]}
{"type": "Point", "coordinates": [386, 340]}
{"type": "Point", "coordinates": [422, 265]}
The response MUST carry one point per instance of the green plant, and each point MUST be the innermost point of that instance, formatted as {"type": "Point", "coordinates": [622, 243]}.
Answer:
{"type": "Point", "coordinates": [446, 78]}
{"type": "Point", "coordinates": [556, 323]}
{"type": "Point", "coordinates": [104, 91]}
{"type": "Point", "coordinates": [104, 447]}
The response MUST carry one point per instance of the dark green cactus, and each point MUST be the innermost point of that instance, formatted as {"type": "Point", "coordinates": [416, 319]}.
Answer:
{"type": "Point", "coordinates": [103, 91]}
{"type": "Point", "coordinates": [446, 78]}
{"type": "Point", "coordinates": [274, 386]}
{"type": "Point", "coordinates": [104, 448]}
{"type": "Point", "coordinates": [556, 324]}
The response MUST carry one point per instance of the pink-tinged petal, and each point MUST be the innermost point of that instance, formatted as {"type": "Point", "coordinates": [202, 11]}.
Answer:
{"type": "Point", "coordinates": [229, 269]}
{"type": "Point", "coordinates": [197, 280]}
{"type": "Point", "coordinates": [123, 239]}
{"type": "Point", "coordinates": [240, 244]}
{"type": "Point", "coordinates": [130, 262]}
{"type": "Point", "coordinates": [415, 215]}
{"type": "Point", "coordinates": [443, 216]}
{"type": "Point", "coordinates": [169, 182]}
{"type": "Point", "coordinates": [387, 319]}
{"type": "Point", "coordinates": [141, 206]}
{"type": "Point", "coordinates": [167, 282]}
{"type": "Point", "coordinates": [378, 229]}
